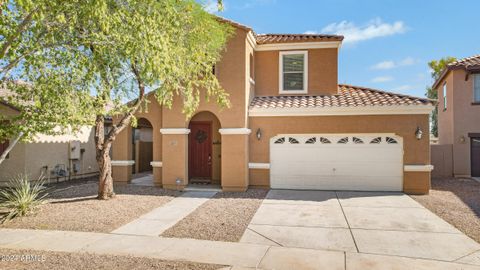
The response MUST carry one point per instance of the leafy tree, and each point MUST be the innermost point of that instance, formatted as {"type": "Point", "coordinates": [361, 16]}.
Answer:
{"type": "Point", "coordinates": [104, 52]}
{"type": "Point", "coordinates": [47, 101]}
{"type": "Point", "coordinates": [436, 68]}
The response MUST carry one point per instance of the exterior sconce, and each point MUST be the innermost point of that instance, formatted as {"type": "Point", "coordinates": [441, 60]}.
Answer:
{"type": "Point", "coordinates": [462, 139]}
{"type": "Point", "coordinates": [259, 134]}
{"type": "Point", "coordinates": [418, 133]}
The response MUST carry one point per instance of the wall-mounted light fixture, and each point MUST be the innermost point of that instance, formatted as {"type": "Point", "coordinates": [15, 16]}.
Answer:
{"type": "Point", "coordinates": [462, 139]}
{"type": "Point", "coordinates": [418, 133]}
{"type": "Point", "coordinates": [259, 134]}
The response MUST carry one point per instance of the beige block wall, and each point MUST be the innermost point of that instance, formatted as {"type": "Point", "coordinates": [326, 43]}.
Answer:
{"type": "Point", "coordinates": [322, 72]}
{"type": "Point", "coordinates": [31, 158]}
{"type": "Point", "coordinates": [442, 160]}
{"type": "Point", "coordinates": [415, 151]}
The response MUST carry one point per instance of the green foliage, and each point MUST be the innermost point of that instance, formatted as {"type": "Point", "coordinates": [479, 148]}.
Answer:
{"type": "Point", "coordinates": [436, 68]}
{"type": "Point", "coordinates": [21, 197]}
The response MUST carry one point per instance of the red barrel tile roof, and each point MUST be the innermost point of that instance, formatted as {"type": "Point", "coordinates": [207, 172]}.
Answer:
{"type": "Point", "coordinates": [293, 38]}
{"type": "Point", "coordinates": [348, 96]}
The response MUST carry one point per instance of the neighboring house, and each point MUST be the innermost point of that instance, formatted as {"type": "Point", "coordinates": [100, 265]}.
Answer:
{"type": "Point", "coordinates": [291, 125]}
{"type": "Point", "coordinates": [458, 150]}
{"type": "Point", "coordinates": [57, 158]}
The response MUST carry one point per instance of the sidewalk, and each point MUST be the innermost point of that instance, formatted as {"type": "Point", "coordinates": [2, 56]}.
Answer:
{"type": "Point", "coordinates": [238, 255]}
{"type": "Point", "coordinates": [160, 219]}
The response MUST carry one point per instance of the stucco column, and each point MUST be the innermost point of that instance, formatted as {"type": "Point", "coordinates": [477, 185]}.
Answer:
{"type": "Point", "coordinates": [234, 159]}
{"type": "Point", "coordinates": [157, 156]}
{"type": "Point", "coordinates": [122, 163]}
{"type": "Point", "coordinates": [175, 157]}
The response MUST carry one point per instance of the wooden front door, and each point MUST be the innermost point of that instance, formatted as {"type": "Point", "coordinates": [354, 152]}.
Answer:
{"type": "Point", "coordinates": [200, 151]}
{"type": "Point", "coordinates": [475, 156]}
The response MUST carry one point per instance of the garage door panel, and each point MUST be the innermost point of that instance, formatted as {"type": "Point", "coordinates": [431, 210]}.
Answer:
{"type": "Point", "coordinates": [334, 166]}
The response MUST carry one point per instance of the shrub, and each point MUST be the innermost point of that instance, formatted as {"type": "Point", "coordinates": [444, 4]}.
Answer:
{"type": "Point", "coordinates": [21, 197]}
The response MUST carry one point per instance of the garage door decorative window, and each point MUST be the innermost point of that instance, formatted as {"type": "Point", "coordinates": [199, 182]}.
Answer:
{"type": "Point", "coordinates": [280, 140]}
{"type": "Point", "coordinates": [343, 140]}
{"type": "Point", "coordinates": [293, 140]}
{"type": "Point", "coordinates": [311, 140]}
{"type": "Point", "coordinates": [377, 140]}
{"type": "Point", "coordinates": [357, 140]}
{"type": "Point", "coordinates": [324, 140]}
{"type": "Point", "coordinates": [391, 140]}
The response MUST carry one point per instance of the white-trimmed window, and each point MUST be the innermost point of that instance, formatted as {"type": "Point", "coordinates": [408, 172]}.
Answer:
{"type": "Point", "coordinates": [476, 88]}
{"type": "Point", "coordinates": [293, 72]}
{"type": "Point", "coordinates": [445, 96]}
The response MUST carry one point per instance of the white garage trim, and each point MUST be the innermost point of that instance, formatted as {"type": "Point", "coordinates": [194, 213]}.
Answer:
{"type": "Point", "coordinates": [234, 131]}
{"type": "Point", "coordinates": [418, 168]}
{"type": "Point", "coordinates": [337, 161]}
{"type": "Point", "coordinates": [264, 166]}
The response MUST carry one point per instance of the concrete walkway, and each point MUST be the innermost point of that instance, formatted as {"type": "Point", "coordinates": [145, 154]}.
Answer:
{"type": "Point", "coordinates": [160, 219]}
{"type": "Point", "coordinates": [238, 255]}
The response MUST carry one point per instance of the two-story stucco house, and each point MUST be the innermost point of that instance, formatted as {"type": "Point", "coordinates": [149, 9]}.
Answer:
{"type": "Point", "coordinates": [291, 125]}
{"type": "Point", "coordinates": [458, 150]}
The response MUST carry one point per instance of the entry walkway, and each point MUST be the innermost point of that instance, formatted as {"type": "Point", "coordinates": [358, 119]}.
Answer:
{"type": "Point", "coordinates": [238, 255]}
{"type": "Point", "coordinates": [160, 219]}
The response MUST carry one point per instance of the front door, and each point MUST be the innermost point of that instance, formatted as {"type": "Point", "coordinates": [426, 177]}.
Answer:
{"type": "Point", "coordinates": [475, 156]}
{"type": "Point", "coordinates": [200, 151]}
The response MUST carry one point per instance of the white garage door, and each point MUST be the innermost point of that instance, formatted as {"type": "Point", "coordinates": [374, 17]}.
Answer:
{"type": "Point", "coordinates": [337, 162]}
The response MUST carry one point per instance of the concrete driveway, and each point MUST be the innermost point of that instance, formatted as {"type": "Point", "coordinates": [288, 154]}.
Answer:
{"type": "Point", "coordinates": [380, 223]}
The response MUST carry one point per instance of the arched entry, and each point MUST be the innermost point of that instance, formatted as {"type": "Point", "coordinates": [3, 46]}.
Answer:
{"type": "Point", "coordinates": [204, 149]}
{"type": "Point", "coordinates": [142, 146]}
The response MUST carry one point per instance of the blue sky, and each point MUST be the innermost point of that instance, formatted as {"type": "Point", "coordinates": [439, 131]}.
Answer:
{"type": "Point", "coordinates": [388, 42]}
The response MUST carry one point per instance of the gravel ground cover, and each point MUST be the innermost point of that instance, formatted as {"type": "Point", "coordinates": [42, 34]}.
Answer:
{"type": "Point", "coordinates": [74, 208]}
{"type": "Point", "coordinates": [457, 201]}
{"type": "Point", "coordinates": [222, 218]}
{"type": "Point", "coordinates": [11, 259]}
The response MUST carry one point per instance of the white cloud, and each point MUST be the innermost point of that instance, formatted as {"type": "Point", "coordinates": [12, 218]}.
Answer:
{"type": "Point", "coordinates": [310, 32]}
{"type": "Point", "coordinates": [373, 29]}
{"type": "Point", "coordinates": [381, 79]}
{"type": "Point", "coordinates": [401, 88]}
{"type": "Point", "coordinates": [391, 64]}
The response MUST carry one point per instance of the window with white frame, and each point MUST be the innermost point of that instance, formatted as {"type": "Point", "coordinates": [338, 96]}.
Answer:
{"type": "Point", "coordinates": [293, 72]}
{"type": "Point", "coordinates": [444, 96]}
{"type": "Point", "coordinates": [476, 88]}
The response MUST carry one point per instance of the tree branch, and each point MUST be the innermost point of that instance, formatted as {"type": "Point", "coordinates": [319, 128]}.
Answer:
{"type": "Point", "coordinates": [20, 29]}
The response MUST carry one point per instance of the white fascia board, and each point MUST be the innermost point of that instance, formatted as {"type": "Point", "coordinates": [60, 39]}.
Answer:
{"type": "Point", "coordinates": [251, 40]}
{"type": "Point", "coordinates": [175, 131]}
{"type": "Point", "coordinates": [418, 168]}
{"type": "Point", "coordinates": [156, 164]}
{"type": "Point", "coordinates": [364, 110]}
{"type": "Point", "coordinates": [263, 166]}
{"type": "Point", "coordinates": [298, 46]}
{"type": "Point", "coordinates": [234, 131]}
{"type": "Point", "coordinates": [121, 163]}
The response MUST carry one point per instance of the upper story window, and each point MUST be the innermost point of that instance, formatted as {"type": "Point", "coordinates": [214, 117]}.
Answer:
{"type": "Point", "coordinates": [293, 72]}
{"type": "Point", "coordinates": [476, 88]}
{"type": "Point", "coordinates": [444, 96]}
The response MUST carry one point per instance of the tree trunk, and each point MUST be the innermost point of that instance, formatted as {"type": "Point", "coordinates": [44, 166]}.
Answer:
{"type": "Point", "coordinates": [10, 147]}
{"type": "Point", "coordinates": [105, 181]}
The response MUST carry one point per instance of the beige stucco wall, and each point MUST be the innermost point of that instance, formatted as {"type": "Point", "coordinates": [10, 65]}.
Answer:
{"type": "Point", "coordinates": [460, 118]}
{"type": "Point", "coordinates": [322, 72]}
{"type": "Point", "coordinates": [416, 152]}
{"type": "Point", "coordinates": [31, 158]}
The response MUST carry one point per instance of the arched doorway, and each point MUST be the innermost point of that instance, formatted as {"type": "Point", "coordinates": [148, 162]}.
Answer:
{"type": "Point", "coordinates": [142, 147]}
{"type": "Point", "coordinates": [204, 149]}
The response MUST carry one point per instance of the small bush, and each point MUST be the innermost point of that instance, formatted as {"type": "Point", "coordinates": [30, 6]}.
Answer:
{"type": "Point", "coordinates": [21, 197]}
